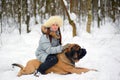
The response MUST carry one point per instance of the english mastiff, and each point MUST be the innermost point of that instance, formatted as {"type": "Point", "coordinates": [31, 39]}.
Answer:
{"type": "Point", "coordinates": [65, 64]}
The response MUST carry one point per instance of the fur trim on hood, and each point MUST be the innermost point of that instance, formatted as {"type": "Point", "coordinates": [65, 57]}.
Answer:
{"type": "Point", "coordinates": [53, 20]}
{"type": "Point", "coordinates": [53, 34]}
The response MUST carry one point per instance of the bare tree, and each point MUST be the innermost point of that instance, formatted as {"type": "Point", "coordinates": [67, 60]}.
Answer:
{"type": "Point", "coordinates": [35, 12]}
{"type": "Point", "coordinates": [88, 29]}
{"type": "Point", "coordinates": [71, 22]}
{"type": "Point", "coordinates": [19, 15]}
{"type": "Point", "coordinates": [1, 16]}
{"type": "Point", "coordinates": [27, 17]}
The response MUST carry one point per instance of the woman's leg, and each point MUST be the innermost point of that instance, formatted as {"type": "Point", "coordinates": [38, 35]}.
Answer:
{"type": "Point", "coordinates": [50, 61]}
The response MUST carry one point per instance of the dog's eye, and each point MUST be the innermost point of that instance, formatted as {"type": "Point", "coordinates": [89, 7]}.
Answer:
{"type": "Point", "coordinates": [78, 51]}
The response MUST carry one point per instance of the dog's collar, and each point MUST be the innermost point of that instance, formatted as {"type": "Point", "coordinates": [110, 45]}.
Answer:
{"type": "Point", "coordinates": [66, 61]}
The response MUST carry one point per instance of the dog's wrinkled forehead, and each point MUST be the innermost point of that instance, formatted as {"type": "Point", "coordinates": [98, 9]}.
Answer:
{"type": "Point", "coordinates": [75, 47]}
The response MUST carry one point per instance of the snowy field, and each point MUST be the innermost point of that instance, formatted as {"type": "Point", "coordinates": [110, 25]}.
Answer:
{"type": "Point", "coordinates": [102, 45]}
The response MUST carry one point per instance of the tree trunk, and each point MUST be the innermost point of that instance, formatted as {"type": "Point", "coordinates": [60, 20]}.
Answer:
{"type": "Point", "coordinates": [1, 15]}
{"type": "Point", "coordinates": [71, 5]}
{"type": "Point", "coordinates": [113, 10]}
{"type": "Point", "coordinates": [1, 22]}
{"type": "Point", "coordinates": [19, 15]}
{"type": "Point", "coordinates": [27, 17]}
{"type": "Point", "coordinates": [35, 11]}
{"type": "Point", "coordinates": [53, 11]}
{"type": "Point", "coordinates": [27, 23]}
{"type": "Point", "coordinates": [88, 29]}
{"type": "Point", "coordinates": [71, 22]}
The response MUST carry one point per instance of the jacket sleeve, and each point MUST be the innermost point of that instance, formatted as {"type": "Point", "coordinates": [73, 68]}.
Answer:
{"type": "Point", "coordinates": [46, 46]}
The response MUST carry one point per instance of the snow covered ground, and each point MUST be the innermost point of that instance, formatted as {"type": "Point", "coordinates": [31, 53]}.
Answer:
{"type": "Point", "coordinates": [102, 45]}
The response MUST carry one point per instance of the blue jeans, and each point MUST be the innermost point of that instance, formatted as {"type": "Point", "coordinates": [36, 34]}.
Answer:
{"type": "Point", "coordinates": [50, 61]}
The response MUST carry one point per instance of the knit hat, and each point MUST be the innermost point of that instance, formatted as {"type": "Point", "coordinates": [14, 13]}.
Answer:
{"type": "Point", "coordinates": [53, 20]}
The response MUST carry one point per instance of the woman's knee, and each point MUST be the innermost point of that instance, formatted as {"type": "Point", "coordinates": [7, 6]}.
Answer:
{"type": "Point", "coordinates": [53, 58]}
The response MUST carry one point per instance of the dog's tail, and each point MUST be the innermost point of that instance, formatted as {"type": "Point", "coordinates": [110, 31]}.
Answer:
{"type": "Point", "coordinates": [18, 65]}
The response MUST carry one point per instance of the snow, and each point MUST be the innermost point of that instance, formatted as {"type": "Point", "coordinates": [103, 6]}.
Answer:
{"type": "Point", "coordinates": [102, 45]}
{"type": "Point", "coordinates": [73, 16]}
{"type": "Point", "coordinates": [118, 8]}
{"type": "Point", "coordinates": [65, 2]}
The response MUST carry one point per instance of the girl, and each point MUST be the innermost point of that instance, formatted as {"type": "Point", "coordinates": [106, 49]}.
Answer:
{"type": "Point", "coordinates": [49, 44]}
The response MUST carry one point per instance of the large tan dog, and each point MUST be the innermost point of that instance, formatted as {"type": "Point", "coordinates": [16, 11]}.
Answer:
{"type": "Point", "coordinates": [65, 65]}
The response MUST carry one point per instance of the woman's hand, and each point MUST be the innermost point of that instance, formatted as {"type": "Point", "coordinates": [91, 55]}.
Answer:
{"type": "Point", "coordinates": [66, 46]}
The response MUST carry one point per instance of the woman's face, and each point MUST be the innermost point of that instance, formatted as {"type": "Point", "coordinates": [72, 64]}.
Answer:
{"type": "Point", "coordinates": [54, 27]}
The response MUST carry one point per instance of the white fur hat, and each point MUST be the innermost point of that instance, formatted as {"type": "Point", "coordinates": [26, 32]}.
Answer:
{"type": "Point", "coordinates": [53, 20]}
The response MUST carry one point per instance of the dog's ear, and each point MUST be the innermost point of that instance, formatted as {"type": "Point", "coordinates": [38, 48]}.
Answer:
{"type": "Point", "coordinates": [68, 49]}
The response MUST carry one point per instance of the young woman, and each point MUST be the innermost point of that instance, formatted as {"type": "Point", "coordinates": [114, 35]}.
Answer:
{"type": "Point", "coordinates": [49, 44]}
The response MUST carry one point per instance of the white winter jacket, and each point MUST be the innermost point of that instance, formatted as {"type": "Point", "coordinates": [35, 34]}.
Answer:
{"type": "Point", "coordinates": [45, 48]}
